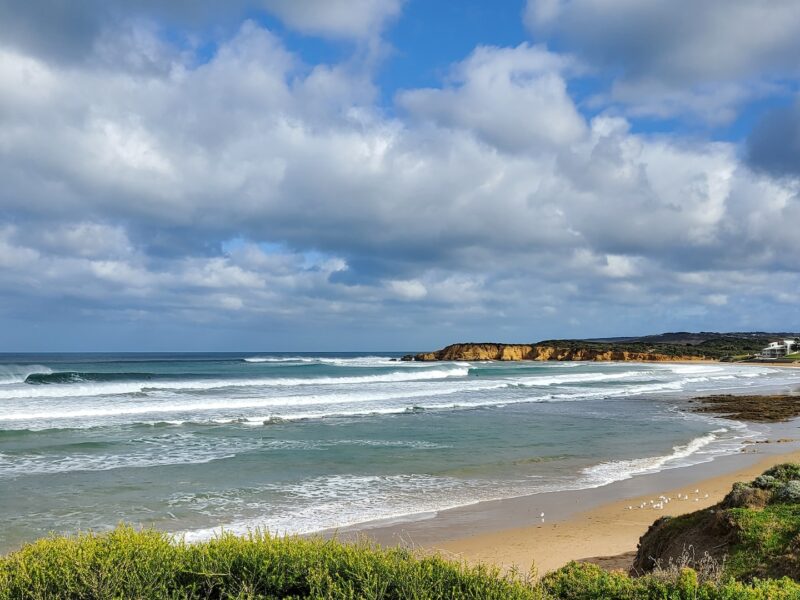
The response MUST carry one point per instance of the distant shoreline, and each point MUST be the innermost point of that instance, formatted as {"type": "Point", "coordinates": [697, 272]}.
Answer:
{"type": "Point", "coordinates": [666, 347]}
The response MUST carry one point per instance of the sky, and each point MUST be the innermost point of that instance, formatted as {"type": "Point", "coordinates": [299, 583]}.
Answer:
{"type": "Point", "coordinates": [328, 175]}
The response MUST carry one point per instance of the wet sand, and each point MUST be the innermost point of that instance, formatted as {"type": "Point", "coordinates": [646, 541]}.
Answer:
{"type": "Point", "coordinates": [607, 531]}
{"type": "Point", "coordinates": [579, 524]}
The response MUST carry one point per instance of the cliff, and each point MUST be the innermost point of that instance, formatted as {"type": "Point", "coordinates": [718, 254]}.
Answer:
{"type": "Point", "coordinates": [683, 345]}
{"type": "Point", "coordinates": [542, 352]}
{"type": "Point", "coordinates": [479, 352]}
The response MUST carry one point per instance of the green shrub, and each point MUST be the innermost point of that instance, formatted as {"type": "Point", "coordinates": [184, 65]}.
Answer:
{"type": "Point", "coordinates": [579, 581]}
{"type": "Point", "coordinates": [148, 565]}
{"type": "Point", "coordinates": [784, 472]}
{"type": "Point", "coordinates": [763, 482]}
{"type": "Point", "coordinates": [788, 492]}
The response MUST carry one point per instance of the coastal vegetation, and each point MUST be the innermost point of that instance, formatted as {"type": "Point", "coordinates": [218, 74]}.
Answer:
{"type": "Point", "coordinates": [716, 347]}
{"type": "Point", "coordinates": [754, 531]}
{"type": "Point", "coordinates": [667, 346]}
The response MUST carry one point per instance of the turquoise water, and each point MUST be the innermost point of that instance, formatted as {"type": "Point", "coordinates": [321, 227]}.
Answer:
{"type": "Point", "coordinates": [297, 443]}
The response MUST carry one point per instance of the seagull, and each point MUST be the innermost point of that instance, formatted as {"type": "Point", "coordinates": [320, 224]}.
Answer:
{"type": "Point", "coordinates": [542, 515]}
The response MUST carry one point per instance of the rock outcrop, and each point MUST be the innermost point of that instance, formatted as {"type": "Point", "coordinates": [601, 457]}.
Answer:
{"type": "Point", "coordinates": [540, 352]}
{"type": "Point", "coordinates": [479, 352]}
{"type": "Point", "coordinates": [755, 527]}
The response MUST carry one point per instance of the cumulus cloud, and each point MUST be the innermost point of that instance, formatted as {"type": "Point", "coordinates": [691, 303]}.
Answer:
{"type": "Point", "coordinates": [255, 188]}
{"type": "Point", "coordinates": [515, 98]}
{"type": "Point", "coordinates": [678, 56]}
{"type": "Point", "coordinates": [67, 32]}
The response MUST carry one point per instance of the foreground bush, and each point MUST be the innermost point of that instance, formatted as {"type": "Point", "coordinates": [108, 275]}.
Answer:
{"type": "Point", "coordinates": [590, 582]}
{"type": "Point", "coordinates": [148, 565]}
{"type": "Point", "coordinates": [129, 564]}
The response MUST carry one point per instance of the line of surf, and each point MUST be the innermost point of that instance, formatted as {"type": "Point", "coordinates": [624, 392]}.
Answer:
{"type": "Point", "coordinates": [103, 388]}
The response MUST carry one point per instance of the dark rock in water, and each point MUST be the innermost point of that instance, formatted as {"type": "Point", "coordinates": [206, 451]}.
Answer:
{"type": "Point", "coordinates": [392, 360]}
{"type": "Point", "coordinates": [760, 408]}
{"type": "Point", "coordinates": [408, 358]}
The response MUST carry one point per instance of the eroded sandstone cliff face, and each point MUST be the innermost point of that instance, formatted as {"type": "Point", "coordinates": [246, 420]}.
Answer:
{"type": "Point", "coordinates": [479, 352]}
{"type": "Point", "coordinates": [539, 352]}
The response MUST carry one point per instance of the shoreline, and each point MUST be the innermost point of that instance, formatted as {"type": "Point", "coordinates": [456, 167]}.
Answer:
{"type": "Point", "coordinates": [486, 516]}
{"type": "Point", "coordinates": [591, 524]}
{"type": "Point", "coordinates": [607, 534]}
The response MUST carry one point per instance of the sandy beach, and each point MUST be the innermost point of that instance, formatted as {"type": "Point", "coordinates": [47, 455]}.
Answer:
{"type": "Point", "coordinates": [607, 531]}
{"type": "Point", "coordinates": [581, 524]}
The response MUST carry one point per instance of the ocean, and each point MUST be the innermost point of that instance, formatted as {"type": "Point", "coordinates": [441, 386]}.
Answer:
{"type": "Point", "coordinates": [297, 443]}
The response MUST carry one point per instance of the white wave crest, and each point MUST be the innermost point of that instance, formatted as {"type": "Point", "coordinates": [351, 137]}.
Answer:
{"type": "Point", "coordinates": [356, 361]}
{"type": "Point", "coordinates": [344, 500]}
{"type": "Point", "coordinates": [618, 470]}
{"type": "Point", "coordinates": [276, 359]}
{"type": "Point", "coordinates": [134, 387]}
{"type": "Point", "coordinates": [578, 378]}
{"type": "Point", "coordinates": [285, 407]}
{"type": "Point", "coordinates": [19, 373]}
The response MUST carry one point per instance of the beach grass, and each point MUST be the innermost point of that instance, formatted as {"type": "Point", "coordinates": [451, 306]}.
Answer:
{"type": "Point", "coordinates": [126, 563]}
{"type": "Point", "coordinates": [768, 539]}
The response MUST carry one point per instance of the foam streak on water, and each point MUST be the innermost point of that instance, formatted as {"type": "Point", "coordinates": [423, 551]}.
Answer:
{"type": "Point", "coordinates": [302, 442]}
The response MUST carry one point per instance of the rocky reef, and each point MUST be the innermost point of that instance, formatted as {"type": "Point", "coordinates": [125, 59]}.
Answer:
{"type": "Point", "coordinates": [749, 407]}
{"type": "Point", "coordinates": [542, 352]}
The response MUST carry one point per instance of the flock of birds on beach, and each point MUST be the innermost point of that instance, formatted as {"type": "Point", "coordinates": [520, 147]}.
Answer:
{"type": "Point", "coordinates": [660, 502]}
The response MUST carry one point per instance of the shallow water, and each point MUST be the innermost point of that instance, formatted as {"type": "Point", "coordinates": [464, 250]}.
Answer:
{"type": "Point", "coordinates": [297, 443]}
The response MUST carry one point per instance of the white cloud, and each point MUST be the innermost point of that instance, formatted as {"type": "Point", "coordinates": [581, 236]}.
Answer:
{"type": "Point", "coordinates": [515, 98]}
{"type": "Point", "coordinates": [407, 290]}
{"type": "Point", "coordinates": [681, 57]}
{"type": "Point", "coordinates": [489, 198]}
{"type": "Point", "coordinates": [336, 18]}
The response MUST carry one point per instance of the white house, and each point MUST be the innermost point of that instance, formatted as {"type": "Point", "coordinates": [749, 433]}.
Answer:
{"type": "Point", "coordinates": [781, 348]}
